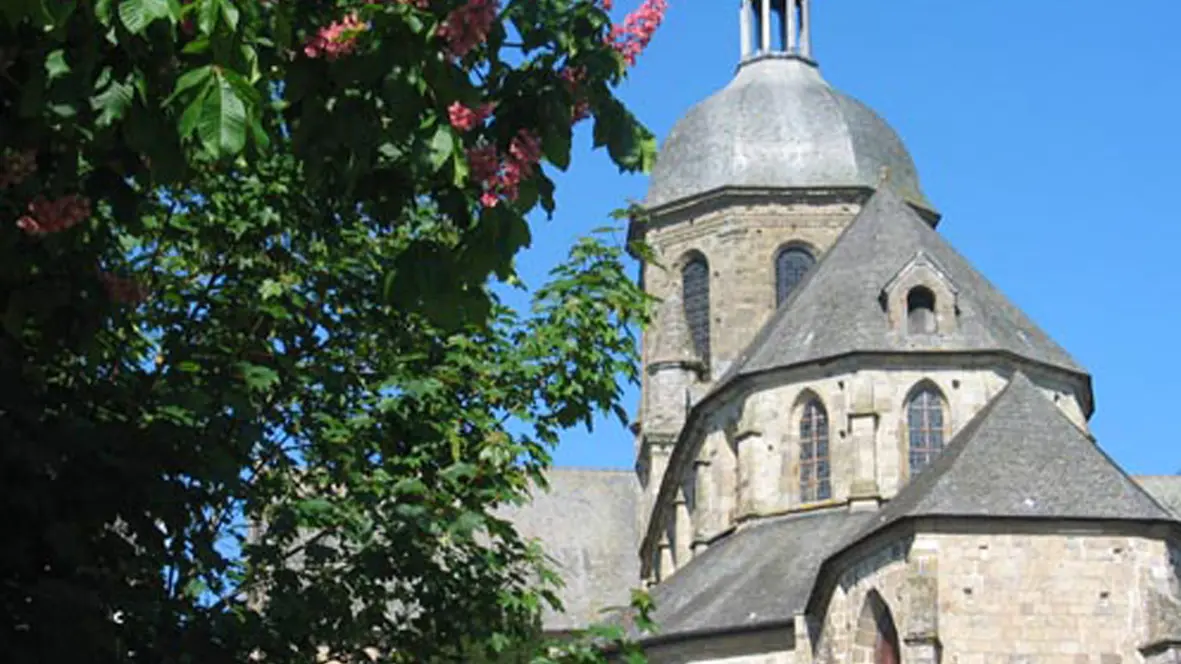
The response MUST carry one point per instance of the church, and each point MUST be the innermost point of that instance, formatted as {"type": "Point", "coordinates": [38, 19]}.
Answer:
{"type": "Point", "coordinates": [850, 446]}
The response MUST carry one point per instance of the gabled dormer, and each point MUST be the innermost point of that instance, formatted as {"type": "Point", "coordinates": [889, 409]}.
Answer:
{"type": "Point", "coordinates": [921, 298]}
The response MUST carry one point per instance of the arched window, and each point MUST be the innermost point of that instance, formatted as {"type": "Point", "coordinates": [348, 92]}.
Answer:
{"type": "Point", "coordinates": [695, 293]}
{"type": "Point", "coordinates": [790, 267]}
{"type": "Point", "coordinates": [920, 311]}
{"type": "Point", "coordinates": [925, 426]}
{"type": "Point", "coordinates": [814, 470]}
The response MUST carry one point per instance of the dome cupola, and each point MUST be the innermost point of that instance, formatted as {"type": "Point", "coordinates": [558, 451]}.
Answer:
{"type": "Point", "coordinates": [779, 125]}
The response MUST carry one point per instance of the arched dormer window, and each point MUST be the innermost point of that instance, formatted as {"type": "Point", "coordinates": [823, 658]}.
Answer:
{"type": "Point", "coordinates": [815, 484]}
{"type": "Point", "coordinates": [926, 426]}
{"type": "Point", "coordinates": [695, 295]}
{"type": "Point", "coordinates": [920, 311]}
{"type": "Point", "coordinates": [791, 264]}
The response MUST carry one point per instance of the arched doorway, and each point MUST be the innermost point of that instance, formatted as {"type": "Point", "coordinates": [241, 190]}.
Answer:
{"type": "Point", "coordinates": [876, 641]}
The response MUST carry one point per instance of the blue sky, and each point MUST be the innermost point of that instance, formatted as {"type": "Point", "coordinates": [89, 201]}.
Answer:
{"type": "Point", "coordinates": [1048, 134]}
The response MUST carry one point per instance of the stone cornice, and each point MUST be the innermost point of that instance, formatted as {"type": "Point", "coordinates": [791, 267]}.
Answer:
{"type": "Point", "coordinates": [724, 197]}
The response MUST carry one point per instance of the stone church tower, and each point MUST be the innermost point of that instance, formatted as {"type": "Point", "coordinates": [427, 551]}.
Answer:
{"type": "Point", "coordinates": [850, 446]}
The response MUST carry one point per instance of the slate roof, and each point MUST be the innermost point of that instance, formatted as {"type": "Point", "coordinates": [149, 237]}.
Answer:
{"type": "Point", "coordinates": [836, 309]}
{"type": "Point", "coordinates": [587, 522]}
{"type": "Point", "coordinates": [1165, 488]}
{"type": "Point", "coordinates": [1021, 457]}
{"type": "Point", "coordinates": [760, 575]}
{"type": "Point", "coordinates": [778, 124]}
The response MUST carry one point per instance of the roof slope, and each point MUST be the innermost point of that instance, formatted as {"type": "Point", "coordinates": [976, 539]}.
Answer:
{"type": "Point", "coordinates": [1021, 457]}
{"type": "Point", "coordinates": [761, 574]}
{"type": "Point", "coordinates": [836, 310]}
{"type": "Point", "coordinates": [587, 523]}
{"type": "Point", "coordinates": [1165, 488]}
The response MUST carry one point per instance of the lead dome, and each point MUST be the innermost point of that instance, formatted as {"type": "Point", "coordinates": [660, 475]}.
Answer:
{"type": "Point", "coordinates": [779, 125]}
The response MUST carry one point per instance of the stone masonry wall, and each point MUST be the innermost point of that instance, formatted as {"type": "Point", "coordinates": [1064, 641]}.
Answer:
{"type": "Point", "coordinates": [881, 570]}
{"type": "Point", "coordinates": [749, 462]}
{"type": "Point", "coordinates": [1017, 597]}
{"type": "Point", "coordinates": [740, 242]}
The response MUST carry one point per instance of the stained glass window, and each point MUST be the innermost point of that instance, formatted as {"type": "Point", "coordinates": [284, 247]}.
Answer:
{"type": "Point", "coordinates": [925, 425]}
{"type": "Point", "coordinates": [695, 285]}
{"type": "Point", "coordinates": [814, 470]}
{"type": "Point", "coordinates": [790, 267]}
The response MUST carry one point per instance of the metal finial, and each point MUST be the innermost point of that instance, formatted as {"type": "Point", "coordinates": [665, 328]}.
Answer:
{"type": "Point", "coordinates": [762, 23]}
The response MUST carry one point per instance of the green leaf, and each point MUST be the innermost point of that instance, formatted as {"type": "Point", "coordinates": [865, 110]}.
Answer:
{"type": "Point", "coordinates": [207, 16]}
{"type": "Point", "coordinates": [192, 113]}
{"type": "Point", "coordinates": [113, 102]}
{"type": "Point", "coordinates": [223, 122]}
{"type": "Point", "coordinates": [196, 47]}
{"type": "Point", "coordinates": [556, 145]}
{"type": "Point", "coordinates": [56, 65]}
{"type": "Point", "coordinates": [137, 15]}
{"type": "Point", "coordinates": [230, 13]}
{"type": "Point", "coordinates": [102, 11]}
{"type": "Point", "coordinates": [442, 146]}
{"type": "Point", "coordinates": [270, 288]}
{"type": "Point", "coordinates": [189, 80]}
{"type": "Point", "coordinates": [258, 378]}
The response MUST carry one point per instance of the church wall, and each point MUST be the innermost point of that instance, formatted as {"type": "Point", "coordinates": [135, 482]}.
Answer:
{"type": "Point", "coordinates": [740, 242]}
{"type": "Point", "coordinates": [881, 569]}
{"type": "Point", "coordinates": [775, 412]}
{"type": "Point", "coordinates": [1024, 594]}
{"type": "Point", "coordinates": [1054, 596]}
{"type": "Point", "coordinates": [748, 464]}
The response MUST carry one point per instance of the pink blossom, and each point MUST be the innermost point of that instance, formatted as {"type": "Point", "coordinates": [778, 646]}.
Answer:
{"type": "Point", "coordinates": [525, 149]}
{"type": "Point", "coordinates": [607, 5]}
{"type": "Point", "coordinates": [467, 27]}
{"type": "Point", "coordinates": [336, 39]}
{"type": "Point", "coordinates": [484, 162]}
{"type": "Point", "coordinates": [631, 38]}
{"type": "Point", "coordinates": [572, 77]}
{"type": "Point", "coordinates": [45, 216]}
{"type": "Point", "coordinates": [489, 199]}
{"type": "Point", "coordinates": [15, 167]}
{"type": "Point", "coordinates": [500, 175]}
{"type": "Point", "coordinates": [464, 118]}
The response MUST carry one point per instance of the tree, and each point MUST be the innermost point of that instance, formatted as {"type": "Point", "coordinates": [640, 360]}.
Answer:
{"type": "Point", "coordinates": [246, 278]}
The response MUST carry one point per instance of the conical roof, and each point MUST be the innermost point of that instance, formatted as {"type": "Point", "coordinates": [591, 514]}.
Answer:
{"type": "Point", "coordinates": [837, 309]}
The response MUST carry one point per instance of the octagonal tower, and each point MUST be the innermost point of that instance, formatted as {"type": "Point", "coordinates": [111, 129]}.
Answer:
{"type": "Point", "coordinates": [750, 188]}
